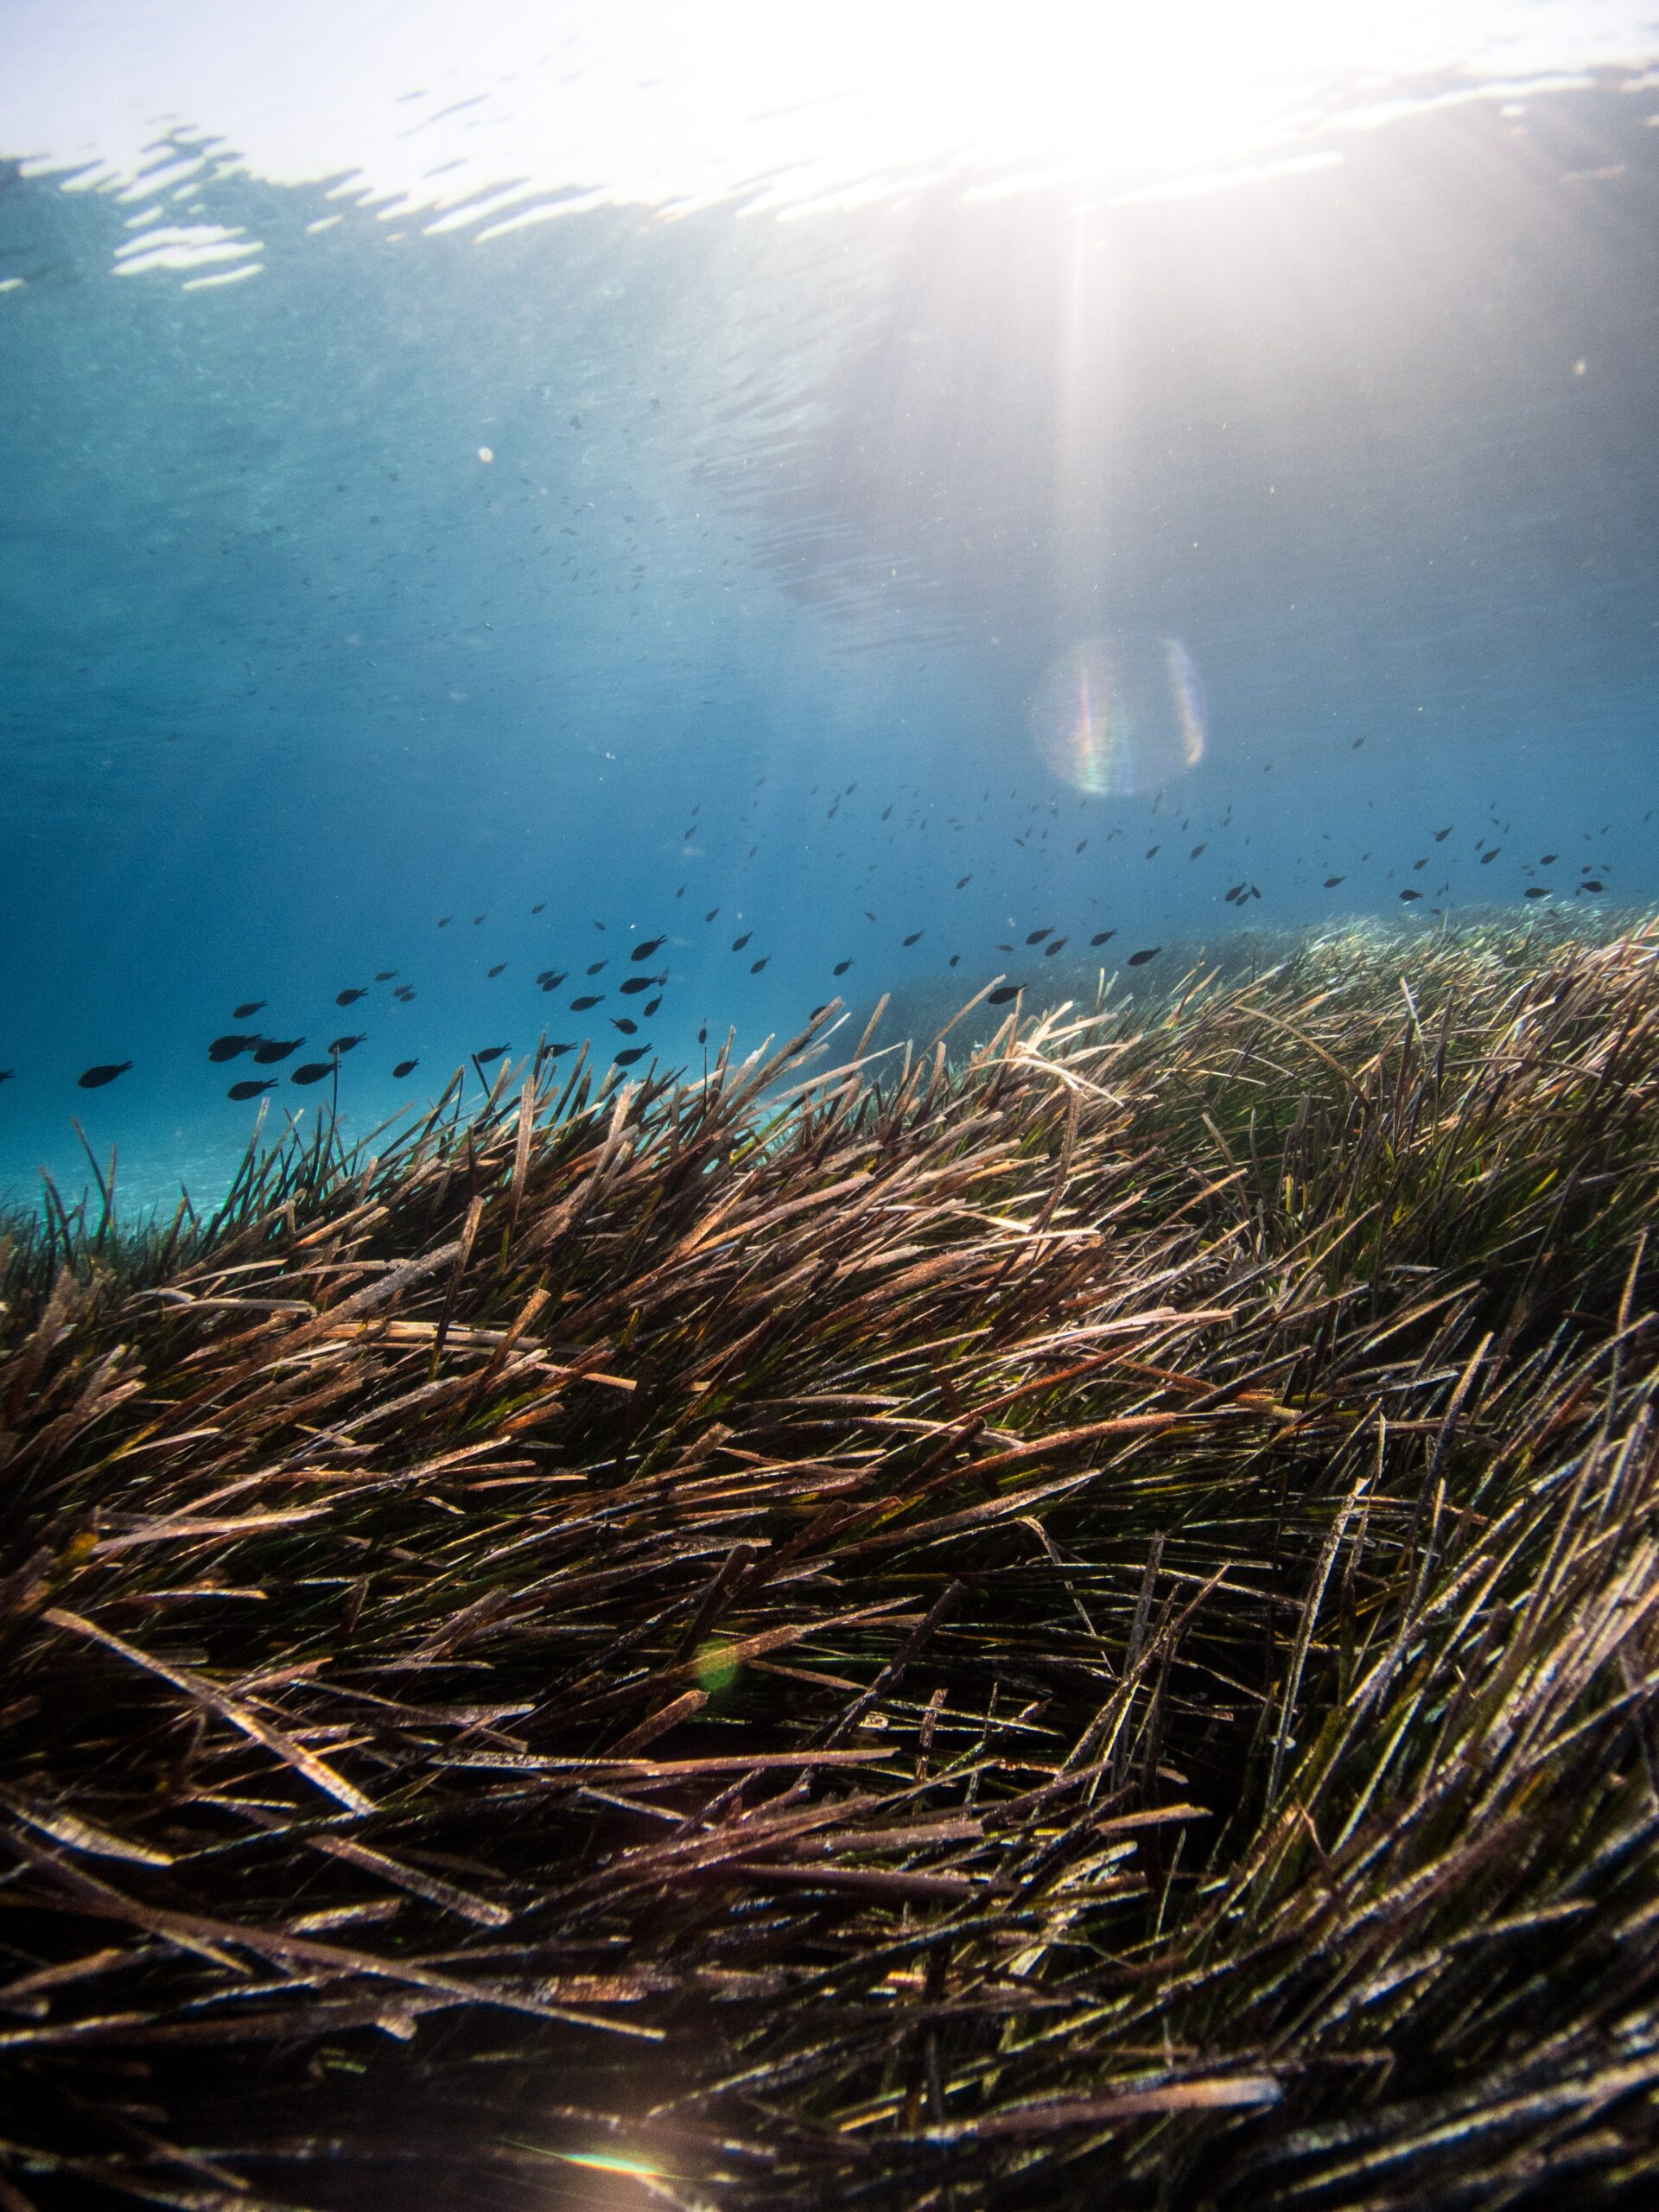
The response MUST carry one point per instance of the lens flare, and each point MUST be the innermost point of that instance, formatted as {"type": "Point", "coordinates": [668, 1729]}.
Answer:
{"type": "Point", "coordinates": [1121, 714]}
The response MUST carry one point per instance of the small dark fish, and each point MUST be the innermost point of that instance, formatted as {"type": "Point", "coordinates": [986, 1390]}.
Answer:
{"type": "Point", "coordinates": [1331, 881]}
{"type": "Point", "coordinates": [1592, 883]}
{"type": "Point", "coordinates": [246, 1011]}
{"type": "Point", "coordinates": [312, 1071]}
{"type": "Point", "coordinates": [405, 992]}
{"type": "Point", "coordinates": [635, 984]}
{"type": "Point", "coordinates": [651, 1006]}
{"type": "Point", "coordinates": [587, 999]}
{"type": "Point", "coordinates": [444, 920]}
{"type": "Point", "coordinates": [1100, 935]}
{"type": "Point", "coordinates": [1550, 859]}
{"type": "Point", "coordinates": [954, 959]}
{"type": "Point", "coordinates": [344, 1044]}
{"type": "Point", "coordinates": [492, 1052]}
{"type": "Point", "coordinates": [1440, 836]}
{"type": "Point", "coordinates": [841, 966]}
{"type": "Point", "coordinates": [403, 1068]}
{"type": "Point", "coordinates": [348, 998]}
{"type": "Point", "coordinates": [539, 907]}
{"type": "Point", "coordinates": [275, 1049]}
{"type": "Point", "coordinates": [1139, 959]}
{"type": "Point", "coordinates": [1196, 851]}
{"type": "Point", "coordinates": [1254, 892]}
{"type": "Point", "coordinates": [963, 879]}
{"type": "Point", "coordinates": [499, 969]}
{"type": "Point", "coordinates": [1408, 895]}
{"type": "Point", "coordinates": [702, 1035]}
{"type": "Point", "coordinates": [1238, 894]}
{"type": "Point", "coordinates": [226, 1048]}
{"type": "Point", "coordinates": [594, 966]}
{"type": "Point", "coordinates": [1487, 858]}
{"type": "Point", "coordinates": [644, 951]}
{"type": "Point", "coordinates": [915, 938]}
{"type": "Point", "coordinates": [737, 943]}
{"type": "Point", "coordinates": [1422, 863]}
{"type": "Point", "coordinates": [628, 1028]}
{"type": "Point", "coordinates": [386, 975]}
{"type": "Point", "coordinates": [1152, 851]}
{"type": "Point", "coordinates": [557, 1051]}
{"type": "Point", "coordinates": [1037, 936]}
{"type": "Point", "coordinates": [95, 1079]}
{"type": "Point", "coordinates": [6, 1074]}
{"type": "Point", "coordinates": [634, 1053]}
{"type": "Point", "coordinates": [1537, 891]}
{"type": "Point", "coordinates": [1054, 945]}
{"type": "Point", "coordinates": [755, 966]}
{"type": "Point", "coordinates": [711, 914]}
{"type": "Point", "coordinates": [477, 919]}
{"type": "Point", "coordinates": [1355, 747]}
{"type": "Point", "coordinates": [250, 1089]}
{"type": "Point", "coordinates": [1002, 994]}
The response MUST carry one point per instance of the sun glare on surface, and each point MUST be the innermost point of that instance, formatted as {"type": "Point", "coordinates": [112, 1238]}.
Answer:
{"type": "Point", "coordinates": [476, 116]}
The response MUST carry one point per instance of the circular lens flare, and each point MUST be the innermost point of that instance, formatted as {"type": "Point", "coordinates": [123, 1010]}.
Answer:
{"type": "Point", "coordinates": [1115, 716]}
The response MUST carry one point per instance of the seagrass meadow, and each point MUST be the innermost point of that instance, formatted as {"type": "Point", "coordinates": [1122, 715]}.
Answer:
{"type": "Point", "coordinates": [1069, 1619]}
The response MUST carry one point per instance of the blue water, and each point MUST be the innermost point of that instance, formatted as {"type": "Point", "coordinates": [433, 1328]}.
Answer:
{"type": "Point", "coordinates": [628, 568]}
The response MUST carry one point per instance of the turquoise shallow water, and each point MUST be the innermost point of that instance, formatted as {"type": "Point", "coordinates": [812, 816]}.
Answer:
{"type": "Point", "coordinates": [899, 580]}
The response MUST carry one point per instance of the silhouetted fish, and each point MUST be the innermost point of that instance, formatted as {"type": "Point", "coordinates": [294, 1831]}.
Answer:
{"type": "Point", "coordinates": [1002, 994]}
{"type": "Point", "coordinates": [1548, 859]}
{"type": "Point", "coordinates": [276, 1048]}
{"type": "Point", "coordinates": [250, 1089]}
{"type": "Point", "coordinates": [492, 1052]}
{"type": "Point", "coordinates": [1100, 935]}
{"type": "Point", "coordinates": [1331, 881]}
{"type": "Point", "coordinates": [348, 998]}
{"type": "Point", "coordinates": [1037, 936]}
{"type": "Point", "coordinates": [635, 984]}
{"type": "Point", "coordinates": [915, 937]}
{"type": "Point", "coordinates": [1053, 946]}
{"type": "Point", "coordinates": [343, 1044]}
{"type": "Point", "coordinates": [1537, 891]}
{"type": "Point", "coordinates": [702, 1035]}
{"type": "Point", "coordinates": [1487, 858]}
{"type": "Point", "coordinates": [1408, 895]}
{"type": "Point", "coordinates": [539, 907]}
{"type": "Point", "coordinates": [634, 1053]}
{"type": "Point", "coordinates": [1196, 851]}
{"type": "Point", "coordinates": [1440, 836]}
{"type": "Point", "coordinates": [403, 1068]}
{"type": "Point", "coordinates": [622, 1022]}
{"type": "Point", "coordinates": [1592, 883]}
{"type": "Point", "coordinates": [386, 975]}
{"type": "Point", "coordinates": [587, 999]}
{"type": "Point", "coordinates": [1139, 959]}
{"type": "Point", "coordinates": [246, 1011]}
{"type": "Point", "coordinates": [644, 951]}
{"type": "Point", "coordinates": [95, 1079]}
{"type": "Point", "coordinates": [737, 943]}
{"type": "Point", "coordinates": [405, 992]}
{"type": "Point", "coordinates": [594, 966]}
{"type": "Point", "coordinates": [711, 913]}
{"type": "Point", "coordinates": [963, 879]}
{"type": "Point", "coordinates": [755, 966]}
{"type": "Point", "coordinates": [444, 920]}
{"type": "Point", "coordinates": [226, 1048]}
{"type": "Point", "coordinates": [1152, 851]}
{"type": "Point", "coordinates": [841, 966]}
{"type": "Point", "coordinates": [314, 1072]}
{"type": "Point", "coordinates": [650, 1007]}
{"type": "Point", "coordinates": [499, 969]}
